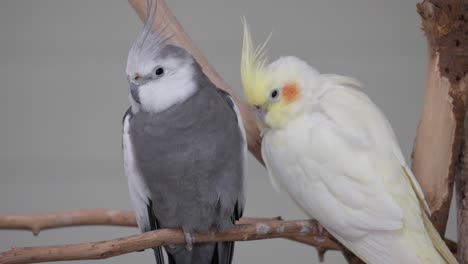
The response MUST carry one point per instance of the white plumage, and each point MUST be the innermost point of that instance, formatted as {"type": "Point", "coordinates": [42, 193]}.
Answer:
{"type": "Point", "coordinates": [334, 152]}
{"type": "Point", "coordinates": [338, 159]}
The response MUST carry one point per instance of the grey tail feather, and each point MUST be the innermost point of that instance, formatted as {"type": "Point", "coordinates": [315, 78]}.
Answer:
{"type": "Point", "coordinates": [223, 253]}
{"type": "Point", "coordinates": [158, 254]}
{"type": "Point", "coordinates": [171, 258]}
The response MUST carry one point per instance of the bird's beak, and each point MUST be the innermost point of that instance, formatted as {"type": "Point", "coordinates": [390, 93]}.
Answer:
{"type": "Point", "coordinates": [260, 114]}
{"type": "Point", "coordinates": [134, 92]}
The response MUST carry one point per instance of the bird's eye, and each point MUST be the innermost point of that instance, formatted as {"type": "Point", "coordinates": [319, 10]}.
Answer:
{"type": "Point", "coordinates": [274, 94]}
{"type": "Point", "coordinates": [159, 71]}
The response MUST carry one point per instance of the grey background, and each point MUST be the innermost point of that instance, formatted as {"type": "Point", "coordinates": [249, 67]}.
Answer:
{"type": "Point", "coordinates": [63, 92]}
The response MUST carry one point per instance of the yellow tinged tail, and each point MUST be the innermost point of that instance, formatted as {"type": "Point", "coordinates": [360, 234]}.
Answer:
{"type": "Point", "coordinates": [438, 242]}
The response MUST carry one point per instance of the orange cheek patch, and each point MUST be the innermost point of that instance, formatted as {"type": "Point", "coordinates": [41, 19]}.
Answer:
{"type": "Point", "coordinates": [291, 92]}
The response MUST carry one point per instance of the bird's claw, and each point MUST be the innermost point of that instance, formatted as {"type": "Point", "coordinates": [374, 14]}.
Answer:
{"type": "Point", "coordinates": [321, 230]}
{"type": "Point", "coordinates": [188, 241]}
{"type": "Point", "coordinates": [320, 236]}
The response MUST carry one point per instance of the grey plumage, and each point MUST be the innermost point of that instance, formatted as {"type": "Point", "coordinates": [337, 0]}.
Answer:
{"type": "Point", "coordinates": [190, 157]}
{"type": "Point", "coordinates": [191, 147]}
{"type": "Point", "coordinates": [184, 149]}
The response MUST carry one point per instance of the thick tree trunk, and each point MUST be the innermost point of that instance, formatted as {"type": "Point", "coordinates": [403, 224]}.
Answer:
{"type": "Point", "coordinates": [438, 152]}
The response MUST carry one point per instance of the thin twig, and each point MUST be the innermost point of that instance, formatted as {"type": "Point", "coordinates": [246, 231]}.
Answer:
{"type": "Point", "coordinates": [37, 222]}
{"type": "Point", "coordinates": [163, 237]}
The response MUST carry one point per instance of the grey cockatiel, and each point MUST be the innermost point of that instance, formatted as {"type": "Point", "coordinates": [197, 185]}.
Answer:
{"type": "Point", "coordinates": [184, 148]}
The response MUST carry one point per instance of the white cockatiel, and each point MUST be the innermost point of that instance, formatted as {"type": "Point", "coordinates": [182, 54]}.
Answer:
{"type": "Point", "coordinates": [333, 151]}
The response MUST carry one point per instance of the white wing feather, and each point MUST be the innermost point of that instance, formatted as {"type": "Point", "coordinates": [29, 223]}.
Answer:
{"type": "Point", "coordinates": [138, 191]}
{"type": "Point", "coordinates": [372, 123]}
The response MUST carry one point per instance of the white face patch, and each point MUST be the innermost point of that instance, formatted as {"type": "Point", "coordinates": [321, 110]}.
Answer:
{"type": "Point", "coordinates": [176, 86]}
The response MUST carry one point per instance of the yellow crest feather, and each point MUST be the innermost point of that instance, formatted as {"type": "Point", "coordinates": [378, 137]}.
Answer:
{"type": "Point", "coordinates": [255, 80]}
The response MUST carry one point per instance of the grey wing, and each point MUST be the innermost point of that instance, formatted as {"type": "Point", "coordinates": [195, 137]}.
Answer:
{"type": "Point", "coordinates": [142, 205]}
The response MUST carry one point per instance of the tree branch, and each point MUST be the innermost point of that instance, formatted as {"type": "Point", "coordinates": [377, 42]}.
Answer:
{"type": "Point", "coordinates": [462, 199]}
{"type": "Point", "coordinates": [438, 141]}
{"type": "Point", "coordinates": [42, 221]}
{"type": "Point", "coordinates": [165, 237]}
{"type": "Point", "coordinates": [37, 222]}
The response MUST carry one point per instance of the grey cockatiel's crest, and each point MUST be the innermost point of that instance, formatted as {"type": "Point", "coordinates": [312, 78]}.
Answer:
{"type": "Point", "coordinates": [184, 148]}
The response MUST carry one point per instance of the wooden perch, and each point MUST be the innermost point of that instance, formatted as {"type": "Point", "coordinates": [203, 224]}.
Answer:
{"type": "Point", "coordinates": [438, 139]}
{"type": "Point", "coordinates": [165, 18]}
{"type": "Point", "coordinates": [42, 221]}
{"type": "Point", "coordinates": [253, 230]}
{"type": "Point", "coordinates": [323, 241]}
{"type": "Point", "coordinates": [36, 222]}
{"type": "Point", "coordinates": [462, 199]}
{"type": "Point", "coordinates": [438, 154]}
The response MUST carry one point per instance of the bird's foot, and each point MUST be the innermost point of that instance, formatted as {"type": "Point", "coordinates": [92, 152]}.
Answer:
{"type": "Point", "coordinates": [320, 236]}
{"type": "Point", "coordinates": [188, 241]}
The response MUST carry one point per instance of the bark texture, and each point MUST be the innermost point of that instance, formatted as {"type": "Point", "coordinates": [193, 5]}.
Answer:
{"type": "Point", "coordinates": [462, 200]}
{"type": "Point", "coordinates": [37, 222]}
{"type": "Point", "coordinates": [437, 148]}
{"type": "Point", "coordinates": [440, 152]}
{"type": "Point", "coordinates": [255, 230]}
